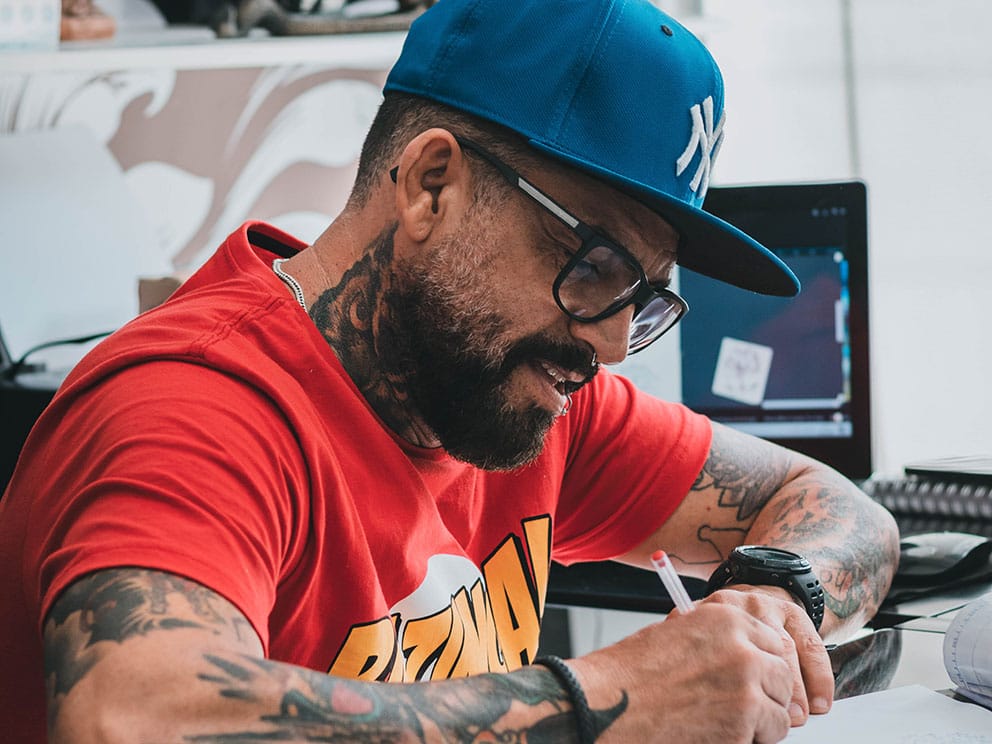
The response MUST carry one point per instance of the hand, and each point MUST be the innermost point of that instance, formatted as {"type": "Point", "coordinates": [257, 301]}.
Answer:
{"type": "Point", "coordinates": [802, 646]}
{"type": "Point", "coordinates": [719, 674]}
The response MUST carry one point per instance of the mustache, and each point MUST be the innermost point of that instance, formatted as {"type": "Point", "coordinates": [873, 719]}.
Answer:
{"type": "Point", "coordinates": [567, 356]}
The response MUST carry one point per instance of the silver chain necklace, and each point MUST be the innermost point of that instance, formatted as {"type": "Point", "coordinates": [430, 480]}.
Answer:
{"type": "Point", "coordinates": [290, 282]}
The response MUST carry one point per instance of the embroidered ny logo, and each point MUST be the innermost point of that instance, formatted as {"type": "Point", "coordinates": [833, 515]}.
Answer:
{"type": "Point", "coordinates": [707, 140]}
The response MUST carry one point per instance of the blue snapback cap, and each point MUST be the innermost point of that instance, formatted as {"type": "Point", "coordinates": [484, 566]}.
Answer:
{"type": "Point", "coordinates": [615, 88]}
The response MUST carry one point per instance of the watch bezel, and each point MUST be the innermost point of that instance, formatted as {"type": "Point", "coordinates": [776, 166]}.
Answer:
{"type": "Point", "coordinates": [769, 558]}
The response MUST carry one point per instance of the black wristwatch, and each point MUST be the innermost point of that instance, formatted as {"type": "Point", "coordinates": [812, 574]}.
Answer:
{"type": "Point", "coordinates": [759, 564]}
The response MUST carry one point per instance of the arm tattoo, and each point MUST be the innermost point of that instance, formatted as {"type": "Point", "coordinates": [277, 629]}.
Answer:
{"type": "Point", "coordinates": [323, 708]}
{"type": "Point", "coordinates": [745, 479]}
{"type": "Point", "coordinates": [283, 702]}
{"type": "Point", "coordinates": [855, 563]}
{"type": "Point", "coordinates": [811, 510]}
{"type": "Point", "coordinates": [113, 606]}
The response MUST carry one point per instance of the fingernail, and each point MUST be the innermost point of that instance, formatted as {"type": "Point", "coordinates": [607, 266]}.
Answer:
{"type": "Point", "coordinates": [796, 713]}
{"type": "Point", "coordinates": [819, 705]}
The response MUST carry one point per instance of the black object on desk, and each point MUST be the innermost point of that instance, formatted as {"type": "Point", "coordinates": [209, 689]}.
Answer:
{"type": "Point", "coordinates": [937, 558]}
{"type": "Point", "coordinates": [20, 405]}
{"type": "Point", "coordinates": [914, 524]}
{"type": "Point", "coordinates": [976, 469]}
{"type": "Point", "coordinates": [23, 396]}
{"type": "Point", "coordinates": [614, 586]}
{"type": "Point", "coordinates": [25, 390]}
{"type": "Point", "coordinates": [952, 498]}
{"type": "Point", "coordinates": [938, 572]}
{"type": "Point", "coordinates": [952, 494]}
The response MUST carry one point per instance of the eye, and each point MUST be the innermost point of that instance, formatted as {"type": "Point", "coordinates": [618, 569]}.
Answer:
{"type": "Point", "coordinates": [585, 271]}
{"type": "Point", "coordinates": [560, 252]}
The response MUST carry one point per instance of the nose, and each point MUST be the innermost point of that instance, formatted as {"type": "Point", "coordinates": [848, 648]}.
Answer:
{"type": "Point", "coordinates": [609, 337]}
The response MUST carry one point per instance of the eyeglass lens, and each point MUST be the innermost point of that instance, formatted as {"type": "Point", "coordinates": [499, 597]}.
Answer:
{"type": "Point", "coordinates": [599, 281]}
{"type": "Point", "coordinates": [653, 320]}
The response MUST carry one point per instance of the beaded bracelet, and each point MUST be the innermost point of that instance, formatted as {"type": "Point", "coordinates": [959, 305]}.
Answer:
{"type": "Point", "coordinates": [580, 706]}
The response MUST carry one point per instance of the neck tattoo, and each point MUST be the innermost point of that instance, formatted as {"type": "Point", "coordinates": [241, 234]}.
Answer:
{"type": "Point", "coordinates": [289, 281]}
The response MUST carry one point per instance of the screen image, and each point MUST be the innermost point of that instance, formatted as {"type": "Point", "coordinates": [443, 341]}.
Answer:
{"type": "Point", "coordinates": [791, 370]}
{"type": "Point", "coordinates": [771, 366]}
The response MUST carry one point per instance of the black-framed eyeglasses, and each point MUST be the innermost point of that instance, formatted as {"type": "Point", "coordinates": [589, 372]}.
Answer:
{"type": "Point", "coordinates": [602, 277]}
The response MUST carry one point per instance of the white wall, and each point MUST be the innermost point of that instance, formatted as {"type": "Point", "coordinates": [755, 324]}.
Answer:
{"type": "Point", "coordinates": [924, 96]}
{"type": "Point", "coordinates": [909, 118]}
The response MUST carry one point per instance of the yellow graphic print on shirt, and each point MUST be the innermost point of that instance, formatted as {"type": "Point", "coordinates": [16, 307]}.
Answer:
{"type": "Point", "coordinates": [459, 622]}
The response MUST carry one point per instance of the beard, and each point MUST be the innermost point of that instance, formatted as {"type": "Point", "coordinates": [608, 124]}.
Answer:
{"type": "Point", "coordinates": [444, 340]}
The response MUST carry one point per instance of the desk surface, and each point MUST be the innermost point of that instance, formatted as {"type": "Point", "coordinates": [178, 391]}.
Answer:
{"type": "Point", "coordinates": [887, 658]}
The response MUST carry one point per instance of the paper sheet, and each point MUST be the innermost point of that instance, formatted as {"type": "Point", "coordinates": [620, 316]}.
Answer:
{"type": "Point", "coordinates": [968, 650]}
{"type": "Point", "coordinates": [902, 715]}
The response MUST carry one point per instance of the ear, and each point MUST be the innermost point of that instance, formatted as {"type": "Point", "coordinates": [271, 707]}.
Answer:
{"type": "Point", "coordinates": [432, 183]}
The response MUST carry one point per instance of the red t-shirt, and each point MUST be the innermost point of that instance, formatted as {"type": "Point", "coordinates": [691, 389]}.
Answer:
{"type": "Point", "coordinates": [218, 437]}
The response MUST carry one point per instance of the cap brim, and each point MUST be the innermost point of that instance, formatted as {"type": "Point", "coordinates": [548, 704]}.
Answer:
{"type": "Point", "coordinates": [709, 246]}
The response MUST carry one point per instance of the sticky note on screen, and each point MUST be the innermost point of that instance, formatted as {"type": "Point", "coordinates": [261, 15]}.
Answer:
{"type": "Point", "coordinates": [742, 371]}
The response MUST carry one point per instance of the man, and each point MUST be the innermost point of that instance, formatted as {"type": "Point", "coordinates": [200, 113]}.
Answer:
{"type": "Point", "coordinates": [318, 473]}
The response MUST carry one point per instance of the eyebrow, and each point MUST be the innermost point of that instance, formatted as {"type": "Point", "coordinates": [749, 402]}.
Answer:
{"type": "Point", "coordinates": [667, 260]}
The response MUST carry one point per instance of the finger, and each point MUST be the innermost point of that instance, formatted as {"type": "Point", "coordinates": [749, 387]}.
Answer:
{"type": "Point", "coordinates": [798, 703]}
{"type": "Point", "coordinates": [772, 725]}
{"type": "Point", "coordinates": [813, 680]}
{"type": "Point", "coordinates": [817, 675]}
{"type": "Point", "coordinates": [799, 645]}
{"type": "Point", "coordinates": [778, 679]}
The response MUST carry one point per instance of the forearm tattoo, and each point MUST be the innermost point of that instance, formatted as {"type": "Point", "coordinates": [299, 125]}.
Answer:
{"type": "Point", "coordinates": [816, 513]}
{"type": "Point", "coordinates": [282, 702]}
{"type": "Point", "coordinates": [324, 708]}
{"type": "Point", "coordinates": [743, 480]}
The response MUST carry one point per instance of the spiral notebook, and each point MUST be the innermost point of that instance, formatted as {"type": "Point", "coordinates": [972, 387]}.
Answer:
{"type": "Point", "coordinates": [953, 493]}
{"type": "Point", "coordinates": [970, 469]}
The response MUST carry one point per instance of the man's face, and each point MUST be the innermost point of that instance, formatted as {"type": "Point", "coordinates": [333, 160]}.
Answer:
{"type": "Point", "coordinates": [488, 393]}
{"type": "Point", "coordinates": [487, 356]}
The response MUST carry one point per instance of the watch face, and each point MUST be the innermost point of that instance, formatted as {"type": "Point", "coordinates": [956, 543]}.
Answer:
{"type": "Point", "coordinates": [774, 558]}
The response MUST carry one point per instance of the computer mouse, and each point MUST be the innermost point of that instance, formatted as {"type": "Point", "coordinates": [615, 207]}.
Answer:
{"type": "Point", "coordinates": [942, 556]}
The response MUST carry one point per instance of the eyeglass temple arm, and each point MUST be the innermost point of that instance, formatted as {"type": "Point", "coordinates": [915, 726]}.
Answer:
{"type": "Point", "coordinates": [515, 179]}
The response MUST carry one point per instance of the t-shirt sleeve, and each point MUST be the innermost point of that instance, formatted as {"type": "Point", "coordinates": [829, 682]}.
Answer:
{"type": "Point", "coordinates": [173, 467]}
{"type": "Point", "coordinates": [632, 458]}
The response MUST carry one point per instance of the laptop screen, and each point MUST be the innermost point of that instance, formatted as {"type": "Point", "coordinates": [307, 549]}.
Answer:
{"type": "Point", "coordinates": [790, 370]}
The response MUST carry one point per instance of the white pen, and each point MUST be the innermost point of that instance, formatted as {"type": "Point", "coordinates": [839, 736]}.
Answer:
{"type": "Point", "coordinates": [672, 582]}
